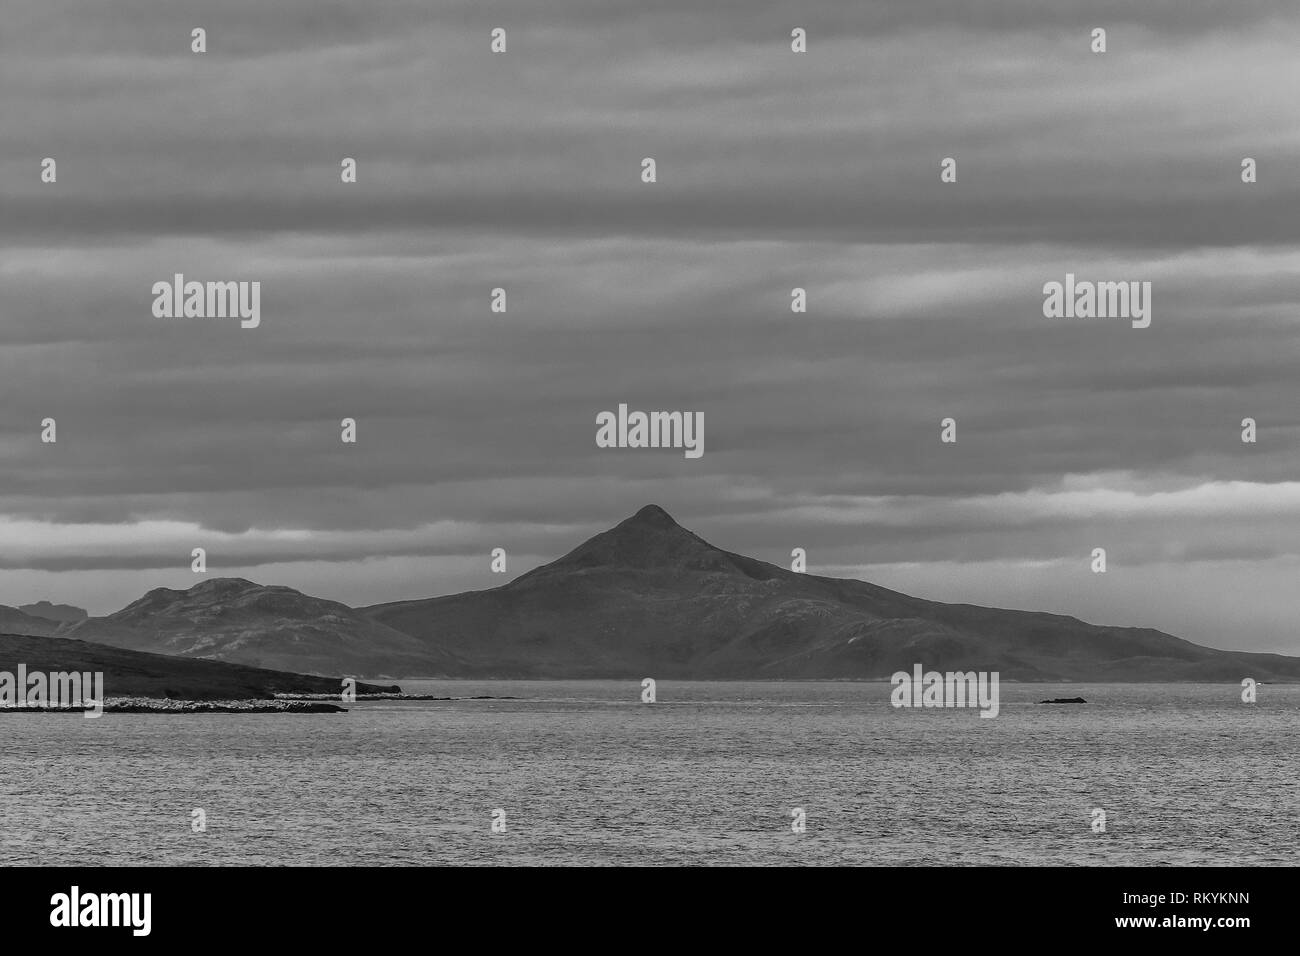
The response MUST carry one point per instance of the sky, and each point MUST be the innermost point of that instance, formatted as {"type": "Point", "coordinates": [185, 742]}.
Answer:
{"type": "Point", "coordinates": [775, 170]}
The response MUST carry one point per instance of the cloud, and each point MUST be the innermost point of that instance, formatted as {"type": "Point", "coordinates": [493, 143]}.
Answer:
{"type": "Point", "coordinates": [777, 170]}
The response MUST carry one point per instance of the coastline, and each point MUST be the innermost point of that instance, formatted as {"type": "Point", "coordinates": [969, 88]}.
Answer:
{"type": "Point", "coordinates": [167, 705]}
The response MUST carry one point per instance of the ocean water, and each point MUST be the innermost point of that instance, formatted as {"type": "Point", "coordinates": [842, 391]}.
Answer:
{"type": "Point", "coordinates": [586, 774]}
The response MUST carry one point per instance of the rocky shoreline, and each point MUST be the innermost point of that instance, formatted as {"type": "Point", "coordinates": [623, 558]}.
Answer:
{"type": "Point", "coordinates": [165, 705]}
{"type": "Point", "coordinates": [387, 696]}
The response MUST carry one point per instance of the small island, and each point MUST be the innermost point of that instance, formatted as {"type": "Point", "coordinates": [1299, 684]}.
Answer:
{"type": "Point", "coordinates": [137, 682]}
{"type": "Point", "coordinates": [165, 705]}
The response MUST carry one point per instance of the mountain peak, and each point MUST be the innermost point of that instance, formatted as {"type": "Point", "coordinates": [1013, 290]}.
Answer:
{"type": "Point", "coordinates": [224, 585]}
{"type": "Point", "coordinates": [652, 516]}
{"type": "Point", "coordinates": [54, 612]}
{"type": "Point", "coordinates": [209, 589]}
{"type": "Point", "coordinates": [648, 539]}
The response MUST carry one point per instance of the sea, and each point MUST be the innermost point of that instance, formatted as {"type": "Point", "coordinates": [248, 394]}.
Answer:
{"type": "Point", "coordinates": [711, 773]}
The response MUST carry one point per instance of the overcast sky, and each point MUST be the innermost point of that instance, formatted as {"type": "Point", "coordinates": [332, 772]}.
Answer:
{"type": "Point", "coordinates": [522, 170]}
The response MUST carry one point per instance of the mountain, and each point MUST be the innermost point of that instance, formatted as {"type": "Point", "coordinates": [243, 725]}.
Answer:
{"type": "Point", "coordinates": [649, 598]}
{"type": "Point", "coordinates": [15, 621]}
{"type": "Point", "coordinates": [230, 619]}
{"type": "Point", "coordinates": [63, 613]}
{"type": "Point", "coordinates": [133, 674]}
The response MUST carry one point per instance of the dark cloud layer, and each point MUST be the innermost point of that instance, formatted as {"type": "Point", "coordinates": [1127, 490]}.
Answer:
{"type": "Point", "coordinates": [776, 170]}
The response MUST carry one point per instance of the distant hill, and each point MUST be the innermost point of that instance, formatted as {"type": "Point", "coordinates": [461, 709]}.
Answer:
{"type": "Point", "coordinates": [13, 620]}
{"type": "Point", "coordinates": [133, 674]}
{"type": "Point", "coordinates": [64, 613]}
{"type": "Point", "coordinates": [233, 620]}
{"type": "Point", "coordinates": [649, 598]}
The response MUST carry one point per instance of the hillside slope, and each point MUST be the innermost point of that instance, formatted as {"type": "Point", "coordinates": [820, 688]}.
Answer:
{"type": "Point", "coordinates": [650, 598]}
